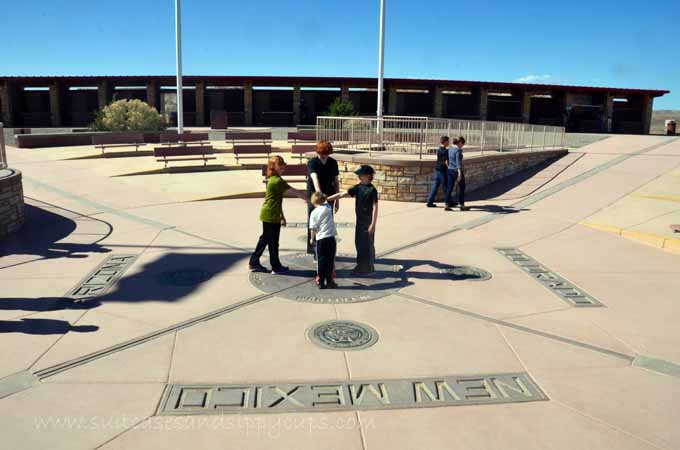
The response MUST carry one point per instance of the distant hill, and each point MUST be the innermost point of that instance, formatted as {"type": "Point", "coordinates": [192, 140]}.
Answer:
{"type": "Point", "coordinates": [659, 118]}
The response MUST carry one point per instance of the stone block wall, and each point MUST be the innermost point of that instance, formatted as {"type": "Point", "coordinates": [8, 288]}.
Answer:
{"type": "Point", "coordinates": [411, 180]}
{"type": "Point", "coordinates": [11, 201]}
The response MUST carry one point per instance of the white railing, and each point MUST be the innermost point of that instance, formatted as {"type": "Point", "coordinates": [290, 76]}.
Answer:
{"type": "Point", "coordinates": [421, 135]}
{"type": "Point", "coordinates": [3, 153]}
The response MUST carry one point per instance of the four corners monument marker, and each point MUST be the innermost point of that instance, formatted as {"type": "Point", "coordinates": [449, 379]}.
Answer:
{"type": "Point", "coordinates": [355, 395]}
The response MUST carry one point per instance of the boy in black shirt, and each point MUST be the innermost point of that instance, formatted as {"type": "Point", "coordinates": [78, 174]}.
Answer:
{"type": "Point", "coordinates": [367, 217]}
{"type": "Point", "coordinates": [440, 171]}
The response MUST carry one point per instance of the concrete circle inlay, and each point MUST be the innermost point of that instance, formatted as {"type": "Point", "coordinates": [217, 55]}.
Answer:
{"type": "Point", "coordinates": [342, 335]}
{"type": "Point", "coordinates": [460, 273]}
{"type": "Point", "coordinates": [298, 284]}
{"type": "Point", "coordinates": [184, 277]}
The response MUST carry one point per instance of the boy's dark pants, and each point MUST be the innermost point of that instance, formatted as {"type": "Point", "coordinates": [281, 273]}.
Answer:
{"type": "Point", "coordinates": [453, 176]}
{"type": "Point", "coordinates": [269, 238]}
{"type": "Point", "coordinates": [310, 246]}
{"type": "Point", "coordinates": [363, 242]}
{"type": "Point", "coordinates": [325, 257]}
{"type": "Point", "coordinates": [439, 180]}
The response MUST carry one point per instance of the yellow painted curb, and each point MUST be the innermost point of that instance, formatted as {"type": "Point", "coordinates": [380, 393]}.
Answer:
{"type": "Point", "coordinates": [647, 238]}
{"type": "Point", "coordinates": [667, 198]}
{"type": "Point", "coordinates": [672, 244]}
{"type": "Point", "coordinates": [607, 228]}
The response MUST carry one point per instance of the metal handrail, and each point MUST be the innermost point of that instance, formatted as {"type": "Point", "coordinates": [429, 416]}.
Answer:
{"type": "Point", "coordinates": [419, 135]}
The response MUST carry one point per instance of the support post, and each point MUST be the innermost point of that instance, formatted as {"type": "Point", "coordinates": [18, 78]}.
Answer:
{"type": "Point", "coordinates": [297, 101]}
{"type": "Point", "coordinates": [178, 49]}
{"type": "Point", "coordinates": [200, 103]}
{"type": "Point", "coordinates": [56, 107]}
{"type": "Point", "coordinates": [381, 69]}
{"type": "Point", "coordinates": [438, 108]}
{"type": "Point", "coordinates": [152, 94]}
{"type": "Point", "coordinates": [647, 108]}
{"type": "Point", "coordinates": [7, 98]}
{"type": "Point", "coordinates": [248, 103]}
{"type": "Point", "coordinates": [344, 92]}
{"type": "Point", "coordinates": [392, 101]}
{"type": "Point", "coordinates": [103, 94]}
{"type": "Point", "coordinates": [526, 107]}
{"type": "Point", "coordinates": [608, 112]}
{"type": "Point", "coordinates": [483, 103]}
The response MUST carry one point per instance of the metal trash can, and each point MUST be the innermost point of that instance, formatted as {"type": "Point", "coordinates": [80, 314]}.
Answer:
{"type": "Point", "coordinates": [670, 127]}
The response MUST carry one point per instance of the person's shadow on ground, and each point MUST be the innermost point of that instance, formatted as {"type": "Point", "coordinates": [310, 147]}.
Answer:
{"type": "Point", "coordinates": [400, 274]}
{"type": "Point", "coordinates": [43, 231]}
{"type": "Point", "coordinates": [43, 327]}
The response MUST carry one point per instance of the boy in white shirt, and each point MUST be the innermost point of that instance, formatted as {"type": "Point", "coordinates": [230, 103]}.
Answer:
{"type": "Point", "coordinates": [322, 227]}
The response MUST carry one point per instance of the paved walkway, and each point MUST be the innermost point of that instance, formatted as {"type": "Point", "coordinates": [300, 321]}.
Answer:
{"type": "Point", "coordinates": [570, 343]}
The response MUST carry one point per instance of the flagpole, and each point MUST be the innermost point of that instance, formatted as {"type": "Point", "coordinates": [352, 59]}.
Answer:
{"type": "Point", "coordinates": [381, 70]}
{"type": "Point", "coordinates": [178, 48]}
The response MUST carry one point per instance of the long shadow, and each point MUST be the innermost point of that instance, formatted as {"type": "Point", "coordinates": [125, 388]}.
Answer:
{"type": "Point", "coordinates": [169, 278]}
{"type": "Point", "coordinates": [500, 187]}
{"type": "Point", "coordinates": [42, 232]}
{"type": "Point", "coordinates": [43, 327]}
{"type": "Point", "coordinates": [172, 277]}
{"type": "Point", "coordinates": [398, 279]}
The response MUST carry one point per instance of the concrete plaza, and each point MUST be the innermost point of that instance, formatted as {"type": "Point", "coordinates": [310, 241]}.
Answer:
{"type": "Point", "coordinates": [572, 342]}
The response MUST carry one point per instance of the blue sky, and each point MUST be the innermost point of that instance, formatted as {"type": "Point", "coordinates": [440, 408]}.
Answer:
{"type": "Point", "coordinates": [620, 43]}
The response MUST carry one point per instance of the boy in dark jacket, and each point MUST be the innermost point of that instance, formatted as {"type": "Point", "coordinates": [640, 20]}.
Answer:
{"type": "Point", "coordinates": [366, 196]}
{"type": "Point", "coordinates": [440, 170]}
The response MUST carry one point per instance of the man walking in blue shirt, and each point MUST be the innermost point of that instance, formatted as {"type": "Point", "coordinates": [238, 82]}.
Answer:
{"type": "Point", "coordinates": [455, 174]}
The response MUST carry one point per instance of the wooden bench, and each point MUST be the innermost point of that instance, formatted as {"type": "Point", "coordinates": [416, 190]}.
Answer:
{"type": "Point", "coordinates": [252, 151]}
{"type": "Point", "coordinates": [301, 149]}
{"type": "Point", "coordinates": [105, 141]}
{"type": "Point", "coordinates": [186, 138]}
{"type": "Point", "coordinates": [305, 136]}
{"type": "Point", "coordinates": [185, 153]}
{"type": "Point", "coordinates": [295, 173]}
{"type": "Point", "coordinates": [248, 136]}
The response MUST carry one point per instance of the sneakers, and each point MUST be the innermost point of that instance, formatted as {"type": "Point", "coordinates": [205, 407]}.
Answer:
{"type": "Point", "coordinates": [332, 285]}
{"type": "Point", "coordinates": [257, 268]}
{"type": "Point", "coordinates": [464, 208]}
{"type": "Point", "coordinates": [280, 270]}
{"type": "Point", "coordinates": [431, 205]}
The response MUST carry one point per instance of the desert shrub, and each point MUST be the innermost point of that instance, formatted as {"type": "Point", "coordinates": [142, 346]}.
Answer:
{"type": "Point", "coordinates": [341, 107]}
{"type": "Point", "coordinates": [128, 115]}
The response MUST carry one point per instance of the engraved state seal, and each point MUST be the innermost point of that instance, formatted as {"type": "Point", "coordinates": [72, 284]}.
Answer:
{"type": "Point", "coordinates": [342, 335]}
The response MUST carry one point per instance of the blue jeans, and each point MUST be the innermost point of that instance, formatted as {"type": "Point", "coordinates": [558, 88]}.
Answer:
{"type": "Point", "coordinates": [453, 176]}
{"type": "Point", "coordinates": [439, 180]}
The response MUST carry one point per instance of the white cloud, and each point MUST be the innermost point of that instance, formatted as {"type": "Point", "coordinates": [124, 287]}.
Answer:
{"type": "Point", "coordinates": [533, 79]}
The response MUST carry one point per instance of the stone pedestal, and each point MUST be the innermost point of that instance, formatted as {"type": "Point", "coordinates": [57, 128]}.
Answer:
{"type": "Point", "coordinates": [11, 201]}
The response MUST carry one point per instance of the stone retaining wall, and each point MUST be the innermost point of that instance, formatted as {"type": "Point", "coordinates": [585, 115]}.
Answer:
{"type": "Point", "coordinates": [411, 180]}
{"type": "Point", "coordinates": [11, 201]}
